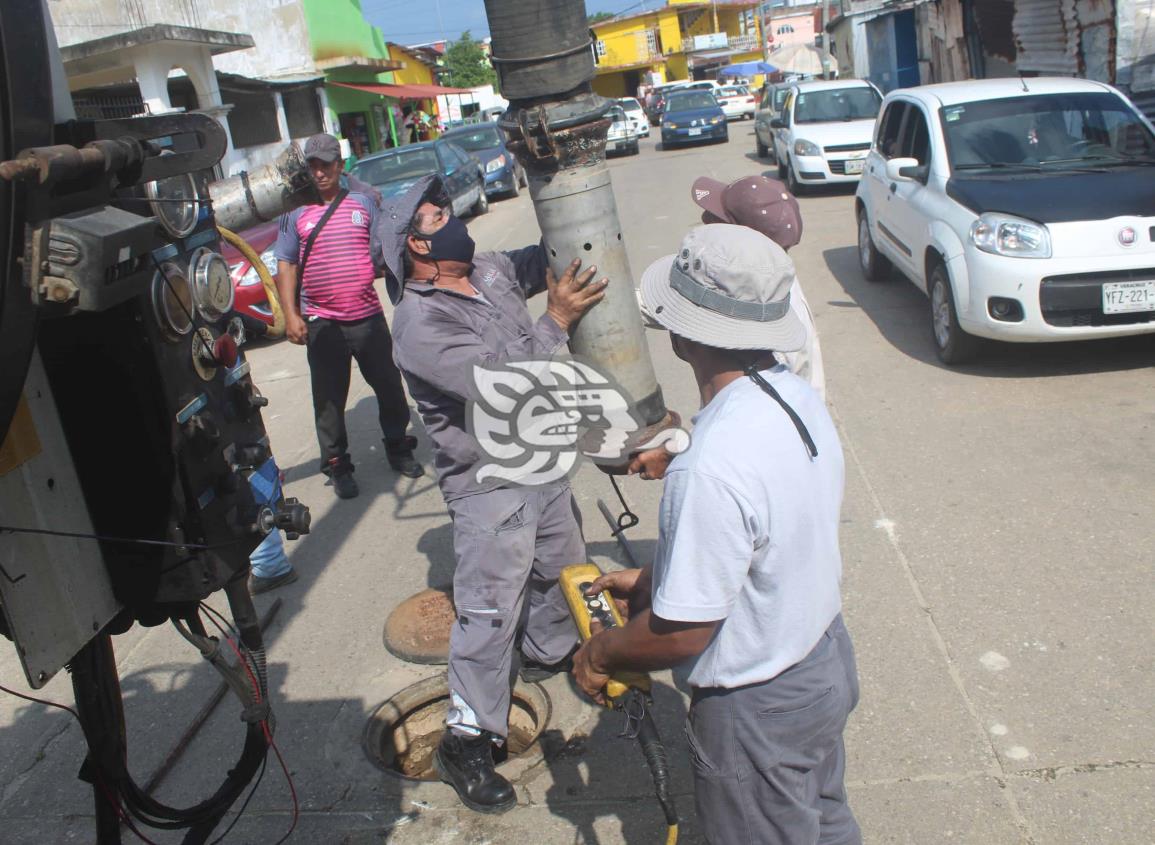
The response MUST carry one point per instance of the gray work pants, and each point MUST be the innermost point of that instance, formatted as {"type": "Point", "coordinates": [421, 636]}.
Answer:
{"type": "Point", "coordinates": [768, 758]}
{"type": "Point", "coordinates": [510, 546]}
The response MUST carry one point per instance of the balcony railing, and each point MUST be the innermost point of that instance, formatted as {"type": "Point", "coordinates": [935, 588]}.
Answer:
{"type": "Point", "coordinates": [734, 43]}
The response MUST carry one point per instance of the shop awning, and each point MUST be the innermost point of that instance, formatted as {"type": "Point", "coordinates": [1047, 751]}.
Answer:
{"type": "Point", "coordinates": [404, 92]}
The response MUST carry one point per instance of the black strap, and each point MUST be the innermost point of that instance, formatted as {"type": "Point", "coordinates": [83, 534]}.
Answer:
{"type": "Point", "coordinates": [344, 192]}
{"type": "Point", "coordinates": [756, 377]}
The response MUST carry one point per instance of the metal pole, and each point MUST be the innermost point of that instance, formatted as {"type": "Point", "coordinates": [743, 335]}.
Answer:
{"type": "Point", "coordinates": [557, 128]}
{"type": "Point", "coordinates": [825, 39]}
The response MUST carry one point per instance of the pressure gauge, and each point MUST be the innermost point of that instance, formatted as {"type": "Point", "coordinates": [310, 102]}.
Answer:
{"type": "Point", "coordinates": [172, 300]}
{"type": "Point", "coordinates": [212, 284]}
{"type": "Point", "coordinates": [175, 203]}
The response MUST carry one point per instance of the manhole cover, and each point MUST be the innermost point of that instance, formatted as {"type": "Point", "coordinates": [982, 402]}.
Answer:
{"type": "Point", "coordinates": [403, 733]}
{"type": "Point", "coordinates": [418, 629]}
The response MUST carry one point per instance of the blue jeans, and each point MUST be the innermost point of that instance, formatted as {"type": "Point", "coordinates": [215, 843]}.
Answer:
{"type": "Point", "coordinates": [269, 559]}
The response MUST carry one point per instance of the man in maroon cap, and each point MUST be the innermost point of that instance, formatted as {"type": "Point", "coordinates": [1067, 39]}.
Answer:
{"type": "Point", "coordinates": [765, 206]}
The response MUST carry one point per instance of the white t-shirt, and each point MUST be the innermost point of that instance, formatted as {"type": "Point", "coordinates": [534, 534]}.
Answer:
{"type": "Point", "coordinates": [748, 531]}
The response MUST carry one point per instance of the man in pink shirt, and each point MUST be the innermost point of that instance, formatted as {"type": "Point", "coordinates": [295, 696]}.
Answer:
{"type": "Point", "coordinates": [338, 315]}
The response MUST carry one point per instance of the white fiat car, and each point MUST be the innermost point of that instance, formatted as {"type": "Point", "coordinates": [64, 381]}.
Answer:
{"type": "Point", "coordinates": [1024, 208]}
{"type": "Point", "coordinates": [824, 131]}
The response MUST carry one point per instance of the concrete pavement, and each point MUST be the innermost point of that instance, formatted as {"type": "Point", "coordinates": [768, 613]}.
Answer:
{"type": "Point", "coordinates": [997, 545]}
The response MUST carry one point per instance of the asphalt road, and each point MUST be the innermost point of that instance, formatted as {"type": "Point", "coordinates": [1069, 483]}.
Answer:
{"type": "Point", "coordinates": [997, 540]}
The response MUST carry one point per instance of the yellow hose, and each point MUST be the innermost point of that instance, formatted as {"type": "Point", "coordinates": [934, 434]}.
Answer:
{"type": "Point", "coordinates": [671, 834]}
{"type": "Point", "coordinates": [278, 328]}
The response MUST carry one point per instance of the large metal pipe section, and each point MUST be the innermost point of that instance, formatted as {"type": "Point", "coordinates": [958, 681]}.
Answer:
{"type": "Point", "coordinates": [557, 126]}
{"type": "Point", "coordinates": [248, 199]}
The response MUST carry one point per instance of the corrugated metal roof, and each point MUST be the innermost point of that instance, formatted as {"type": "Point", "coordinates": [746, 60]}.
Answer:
{"type": "Point", "coordinates": [1047, 36]}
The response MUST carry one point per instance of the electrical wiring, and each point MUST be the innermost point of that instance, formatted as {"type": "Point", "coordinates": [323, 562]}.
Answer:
{"type": "Point", "coordinates": [108, 794]}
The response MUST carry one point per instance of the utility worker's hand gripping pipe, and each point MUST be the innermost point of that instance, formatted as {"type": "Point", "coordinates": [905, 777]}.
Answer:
{"type": "Point", "coordinates": [628, 692]}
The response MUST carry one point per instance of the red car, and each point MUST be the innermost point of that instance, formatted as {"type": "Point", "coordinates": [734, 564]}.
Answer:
{"type": "Point", "coordinates": [251, 303]}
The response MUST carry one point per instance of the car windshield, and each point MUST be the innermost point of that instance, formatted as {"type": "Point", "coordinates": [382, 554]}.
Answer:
{"type": "Point", "coordinates": [617, 115]}
{"type": "Point", "coordinates": [733, 91]}
{"type": "Point", "coordinates": [407, 164]}
{"type": "Point", "coordinates": [691, 101]}
{"type": "Point", "coordinates": [630, 104]}
{"type": "Point", "coordinates": [482, 138]}
{"type": "Point", "coordinates": [835, 104]}
{"type": "Point", "coordinates": [1047, 131]}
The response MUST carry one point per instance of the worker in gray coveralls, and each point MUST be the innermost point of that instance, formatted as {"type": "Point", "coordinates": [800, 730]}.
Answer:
{"type": "Point", "coordinates": [455, 310]}
{"type": "Point", "coordinates": [744, 587]}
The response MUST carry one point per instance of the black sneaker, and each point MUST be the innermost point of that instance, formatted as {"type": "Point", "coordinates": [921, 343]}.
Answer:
{"type": "Point", "coordinates": [259, 585]}
{"type": "Point", "coordinates": [399, 453]}
{"type": "Point", "coordinates": [345, 485]}
{"type": "Point", "coordinates": [466, 764]}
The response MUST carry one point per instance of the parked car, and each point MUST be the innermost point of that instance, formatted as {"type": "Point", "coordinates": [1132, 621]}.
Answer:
{"type": "Point", "coordinates": [393, 171]}
{"type": "Point", "coordinates": [824, 132]}
{"type": "Point", "coordinates": [637, 114]}
{"type": "Point", "coordinates": [656, 100]}
{"type": "Point", "coordinates": [250, 301]}
{"type": "Point", "coordinates": [736, 101]}
{"type": "Point", "coordinates": [623, 136]}
{"type": "Point", "coordinates": [692, 116]}
{"type": "Point", "coordinates": [503, 172]}
{"type": "Point", "coordinates": [769, 107]}
{"type": "Point", "coordinates": [1025, 209]}
{"type": "Point", "coordinates": [711, 85]}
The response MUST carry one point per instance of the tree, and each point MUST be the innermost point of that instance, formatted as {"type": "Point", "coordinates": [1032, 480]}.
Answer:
{"type": "Point", "coordinates": [598, 17]}
{"type": "Point", "coordinates": [467, 63]}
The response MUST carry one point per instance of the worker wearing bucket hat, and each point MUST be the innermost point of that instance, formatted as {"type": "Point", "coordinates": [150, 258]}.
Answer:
{"type": "Point", "coordinates": [745, 584]}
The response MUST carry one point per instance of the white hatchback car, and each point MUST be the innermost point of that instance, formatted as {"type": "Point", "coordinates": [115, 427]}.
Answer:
{"type": "Point", "coordinates": [736, 101]}
{"type": "Point", "coordinates": [637, 114]}
{"type": "Point", "coordinates": [824, 132]}
{"type": "Point", "coordinates": [1025, 209]}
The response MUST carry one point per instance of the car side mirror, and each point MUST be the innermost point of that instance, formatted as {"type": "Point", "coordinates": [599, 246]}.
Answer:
{"type": "Point", "coordinates": [777, 123]}
{"type": "Point", "coordinates": [906, 170]}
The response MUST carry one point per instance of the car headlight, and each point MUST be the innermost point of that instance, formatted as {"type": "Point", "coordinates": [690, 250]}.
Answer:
{"type": "Point", "coordinates": [717, 119]}
{"type": "Point", "coordinates": [1001, 234]}
{"type": "Point", "coordinates": [669, 124]}
{"type": "Point", "coordinates": [806, 148]}
{"type": "Point", "coordinates": [251, 277]}
{"type": "Point", "coordinates": [495, 164]}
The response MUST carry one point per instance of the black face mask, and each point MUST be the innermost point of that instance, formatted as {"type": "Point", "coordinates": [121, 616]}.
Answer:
{"type": "Point", "coordinates": [451, 243]}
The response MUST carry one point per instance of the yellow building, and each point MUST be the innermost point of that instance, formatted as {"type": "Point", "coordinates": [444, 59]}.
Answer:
{"type": "Point", "coordinates": [685, 39]}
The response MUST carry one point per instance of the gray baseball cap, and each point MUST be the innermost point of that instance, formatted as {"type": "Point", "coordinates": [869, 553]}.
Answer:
{"type": "Point", "coordinates": [324, 147]}
{"type": "Point", "coordinates": [727, 287]}
{"type": "Point", "coordinates": [392, 228]}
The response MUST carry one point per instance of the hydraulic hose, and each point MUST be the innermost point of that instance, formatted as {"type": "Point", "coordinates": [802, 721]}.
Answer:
{"type": "Point", "coordinates": [277, 330]}
{"type": "Point", "coordinates": [654, 753]}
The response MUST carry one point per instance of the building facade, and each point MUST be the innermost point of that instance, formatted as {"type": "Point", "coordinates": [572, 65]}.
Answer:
{"type": "Point", "coordinates": [681, 40]}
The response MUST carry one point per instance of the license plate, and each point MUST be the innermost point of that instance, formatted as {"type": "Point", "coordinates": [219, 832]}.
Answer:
{"type": "Point", "coordinates": [854, 166]}
{"type": "Point", "coordinates": [694, 132]}
{"type": "Point", "coordinates": [1127, 297]}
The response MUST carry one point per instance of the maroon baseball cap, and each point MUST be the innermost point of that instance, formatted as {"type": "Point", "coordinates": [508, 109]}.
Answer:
{"type": "Point", "coordinates": [762, 204]}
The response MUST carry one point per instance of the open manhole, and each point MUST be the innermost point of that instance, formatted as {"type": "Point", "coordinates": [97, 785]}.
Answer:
{"type": "Point", "coordinates": [403, 733]}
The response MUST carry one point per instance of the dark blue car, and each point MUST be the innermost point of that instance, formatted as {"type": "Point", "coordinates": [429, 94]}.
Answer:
{"type": "Point", "coordinates": [503, 174]}
{"type": "Point", "coordinates": [393, 171]}
{"type": "Point", "coordinates": [691, 116]}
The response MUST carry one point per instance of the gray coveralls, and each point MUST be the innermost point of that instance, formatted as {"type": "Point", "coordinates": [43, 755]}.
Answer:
{"type": "Point", "coordinates": [510, 542]}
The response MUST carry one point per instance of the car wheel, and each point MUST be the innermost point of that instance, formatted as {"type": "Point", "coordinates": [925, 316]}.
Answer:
{"type": "Point", "coordinates": [781, 166]}
{"type": "Point", "coordinates": [875, 266]}
{"type": "Point", "coordinates": [761, 149]}
{"type": "Point", "coordinates": [953, 345]}
{"type": "Point", "coordinates": [795, 186]}
{"type": "Point", "coordinates": [522, 177]}
{"type": "Point", "coordinates": [635, 149]}
{"type": "Point", "coordinates": [482, 204]}
{"type": "Point", "coordinates": [516, 189]}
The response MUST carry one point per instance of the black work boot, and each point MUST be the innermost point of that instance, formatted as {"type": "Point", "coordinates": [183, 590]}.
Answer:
{"type": "Point", "coordinates": [399, 453]}
{"type": "Point", "coordinates": [466, 764]}
{"type": "Point", "coordinates": [341, 475]}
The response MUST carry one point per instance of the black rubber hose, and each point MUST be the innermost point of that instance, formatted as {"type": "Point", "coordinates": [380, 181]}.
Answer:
{"type": "Point", "coordinates": [655, 753]}
{"type": "Point", "coordinates": [540, 47]}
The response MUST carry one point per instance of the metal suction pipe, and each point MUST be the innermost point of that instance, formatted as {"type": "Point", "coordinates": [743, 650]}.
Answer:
{"type": "Point", "coordinates": [249, 199]}
{"type": "Point", "coordinates": [557, 128]}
